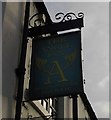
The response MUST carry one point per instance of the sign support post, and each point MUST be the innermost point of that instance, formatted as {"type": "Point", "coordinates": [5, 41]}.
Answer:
{"type": "Point", "coordinates": [20, 71]}
{"type": "Point", "coordinates": [75, 106]}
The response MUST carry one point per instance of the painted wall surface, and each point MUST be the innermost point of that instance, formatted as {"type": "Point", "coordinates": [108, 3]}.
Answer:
{"type": "Point", "coordinates": [82, 112]}
{"type": "Point", "coordinates": [1, 59]}
{"type": "Point", "coordinates": [11, 42]}
{"type": "Point", "coordinates": [67, 105]}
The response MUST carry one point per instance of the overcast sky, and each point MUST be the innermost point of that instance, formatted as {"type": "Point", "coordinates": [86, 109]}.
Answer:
{"type": "Point", "coordinates": [95, 41]}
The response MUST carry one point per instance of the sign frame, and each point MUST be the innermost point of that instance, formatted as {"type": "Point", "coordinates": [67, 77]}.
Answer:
{"type": "Point", "coordinates": [44, 93]}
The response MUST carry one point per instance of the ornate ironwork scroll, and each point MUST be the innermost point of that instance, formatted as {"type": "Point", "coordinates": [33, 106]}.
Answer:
{"type": "Point", "coordinates": [69, 16]}
{"type": "Point", "coordinates": [64, 22]}
{"type": "Point", "coordinates": [36, 20]}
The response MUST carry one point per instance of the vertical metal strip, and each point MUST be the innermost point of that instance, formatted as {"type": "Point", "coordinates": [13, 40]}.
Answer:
{"type": "Point", "coordinates": [75, 107]}
{"type": "Point", "coordinates": [21, 68]}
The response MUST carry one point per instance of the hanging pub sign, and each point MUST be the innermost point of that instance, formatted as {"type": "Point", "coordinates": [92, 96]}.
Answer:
{"type": "Point", "coordinates": [56, 68]}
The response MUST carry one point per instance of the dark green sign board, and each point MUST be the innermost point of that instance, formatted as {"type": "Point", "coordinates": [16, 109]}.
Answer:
{"type": "Point", "coordinates": [56, 68]}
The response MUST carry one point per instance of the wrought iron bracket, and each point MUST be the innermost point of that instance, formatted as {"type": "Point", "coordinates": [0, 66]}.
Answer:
{"type": "Point", "coordinates": [68, 21]}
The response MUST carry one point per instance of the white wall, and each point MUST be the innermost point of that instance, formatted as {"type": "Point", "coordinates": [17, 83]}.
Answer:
{"type": "Point", "coordinates": [82, 112]}
{"type": "Point", "coordinates": [68, 108]}
{"type": "Point", "coordinates": [11, 42]}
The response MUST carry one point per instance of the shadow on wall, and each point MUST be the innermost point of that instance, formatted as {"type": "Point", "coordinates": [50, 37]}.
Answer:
{"type": "Point", "coordinates": [0, 59]}
{"type": "Point", "coordinates": [13, 14]}
{"type": "Point", "coordinates": [3, 9]}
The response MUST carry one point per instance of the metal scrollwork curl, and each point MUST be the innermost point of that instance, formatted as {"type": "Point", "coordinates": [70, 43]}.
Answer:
{"type": "Point", "coordinates": [57, 16]}
{"type": "Point", "coordinates": [36, 20]}
{"type": "Point", "coordinates": [80, 15]}
{"type": "Point", "coordinates": [69, 16]}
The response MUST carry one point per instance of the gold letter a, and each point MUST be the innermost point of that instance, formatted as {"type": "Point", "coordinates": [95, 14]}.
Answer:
{"type": "Point", "coordinates": [58, 71]}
